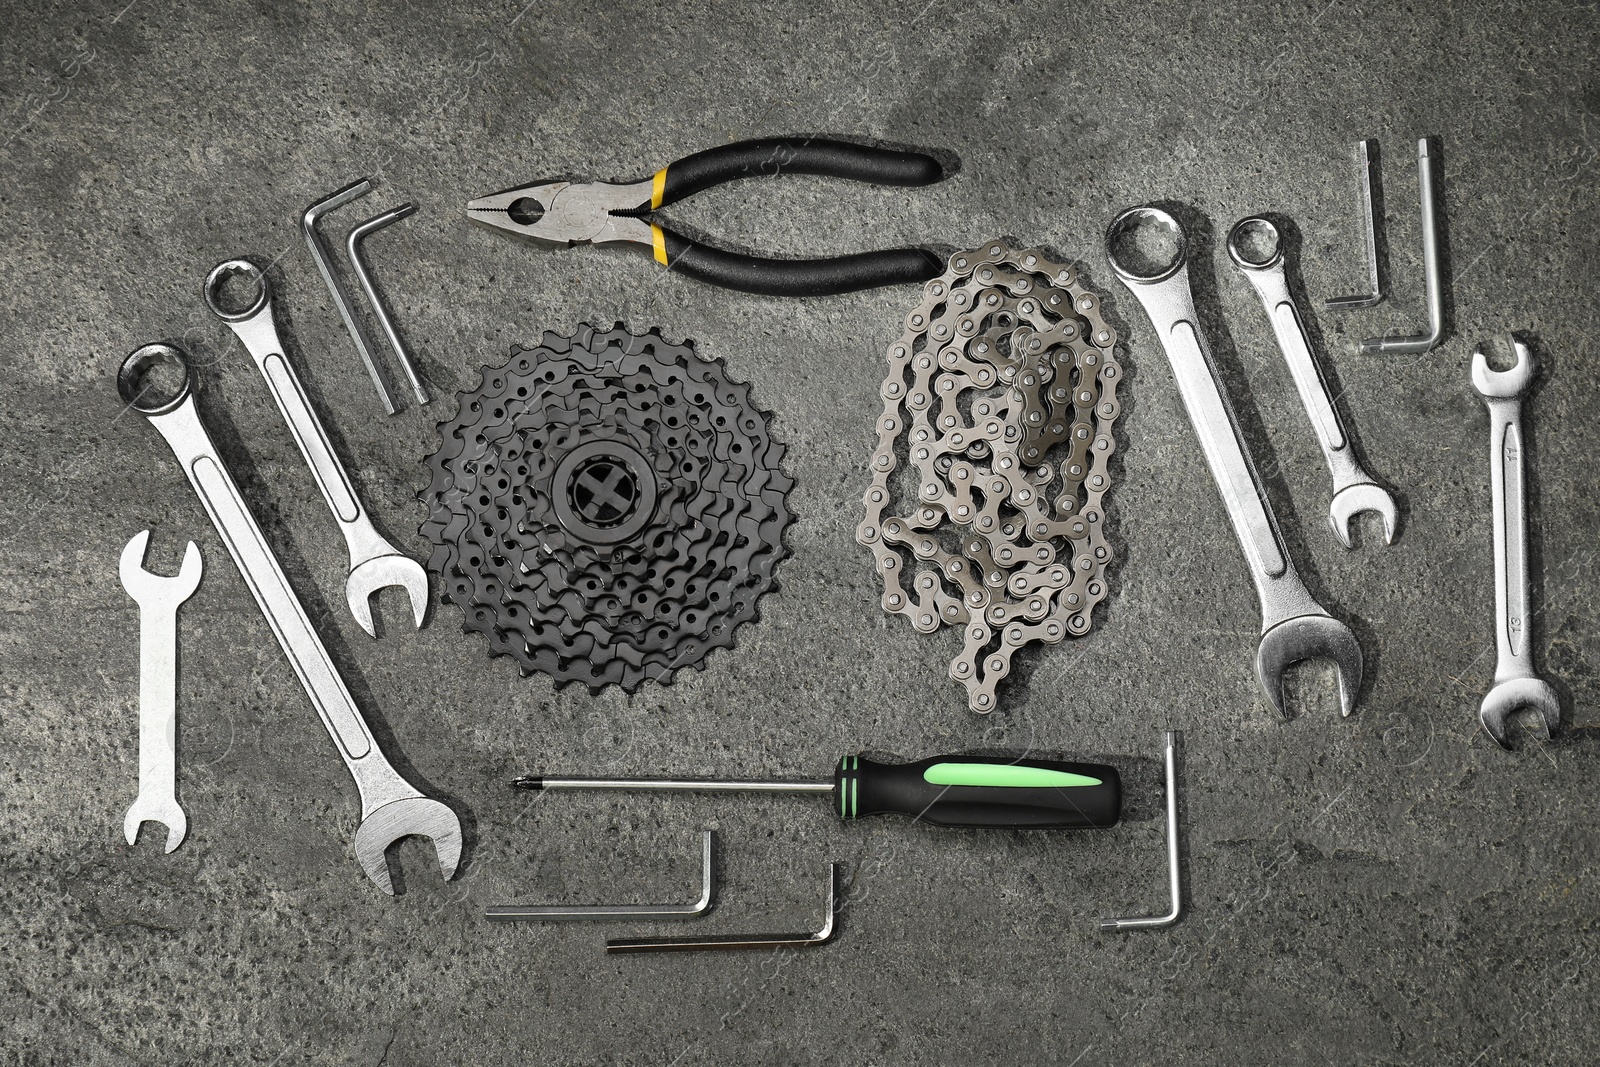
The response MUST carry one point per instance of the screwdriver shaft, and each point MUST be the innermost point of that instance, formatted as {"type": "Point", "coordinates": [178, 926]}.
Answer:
{"type": "Point", "coordinates": [682, 785]}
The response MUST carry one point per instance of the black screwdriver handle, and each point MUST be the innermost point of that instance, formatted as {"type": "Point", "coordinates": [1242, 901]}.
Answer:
{"type": "Point", "coordinates": [982, 791]}
{"type": "Point", "coordinates": [795, 277]}
{"type": "Point", "coordinates": [770, 156]}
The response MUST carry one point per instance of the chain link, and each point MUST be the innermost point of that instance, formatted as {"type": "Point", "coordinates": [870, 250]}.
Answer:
{"type": "Point", "coordinates": [1001, 396]}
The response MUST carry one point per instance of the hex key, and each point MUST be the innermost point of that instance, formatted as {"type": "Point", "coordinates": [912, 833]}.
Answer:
{"type": "Point", "coordinates": [830, 927]}
{"type": "Point", "coordinates": [358, 265]}
{"type": "Point", "coordinates": [557, 912]}
{"type": "Point", "coordinates": [341, 299]}
{"type": "Point", "coordinates": [1432, 271]}
{"type": "Point", "coordinates": [1368, 166]}
{"type": "Point", "coordinates": [1174, 870]}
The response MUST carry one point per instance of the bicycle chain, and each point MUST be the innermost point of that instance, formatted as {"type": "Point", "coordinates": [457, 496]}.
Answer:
{"type": "Point", "coordinates": [1001, 394]}
{"type": "Point", "coordinates": [606, 508]}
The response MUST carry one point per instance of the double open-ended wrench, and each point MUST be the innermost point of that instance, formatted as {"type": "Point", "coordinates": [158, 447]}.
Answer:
{"type": "Point", "coordinates": [1515, 683]}
{"type": "Point", "coordinates": [159, 598]}
{"type": "Point", "coordinates": [374, 563]}
{"type": "Point", "coordinates": [1294, 626]}
{"type": "Point", "coordinates": [1354, 491]}
{"type": "Point", "coordinates": [391, 808]}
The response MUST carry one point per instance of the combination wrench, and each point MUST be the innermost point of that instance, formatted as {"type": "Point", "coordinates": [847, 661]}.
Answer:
{"type": "Point", "coordinates": [374, 563]}
{"type": "Point", "coordinates": [1294, 626]}
{"type": "Point", "coordinates": [159, 598]}
{"type": "Point", "coordinates": [391, 808]}
{"type": "Point", "coordinates": [1515, 683]}
{"type": "Point", "coordinates": [1354, 491]}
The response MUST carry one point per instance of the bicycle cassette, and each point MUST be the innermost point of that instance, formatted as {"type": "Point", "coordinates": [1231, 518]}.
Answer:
{"type": "Point", "coordinates": [1001, 396]}
{"type": "Point", "coordinates": [606, 508]}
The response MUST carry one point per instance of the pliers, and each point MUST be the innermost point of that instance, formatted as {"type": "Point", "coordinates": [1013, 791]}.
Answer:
{"type": "Point", "coordinates": [602, 212]}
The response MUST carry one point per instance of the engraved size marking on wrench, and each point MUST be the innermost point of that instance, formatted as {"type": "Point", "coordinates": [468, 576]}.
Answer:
{"type": "Point", "coordinates": [159, 598]}
{"type": "Point", "coordinates": [1516, 685]}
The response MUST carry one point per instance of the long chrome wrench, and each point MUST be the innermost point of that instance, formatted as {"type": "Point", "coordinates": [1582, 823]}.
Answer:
{"type": "Point", "coordinates": [159, 597]}
{"type": "Point", "coordinates": [1294, 626]}
{"type": "Point", "coordinates": [1516, 685]}
{"type": "Point", "coordinates": [374, 562]}
{"type": "Point", "coordinates": [1354, 491]}
{"type": "Point", "coordinates": [391, 808]}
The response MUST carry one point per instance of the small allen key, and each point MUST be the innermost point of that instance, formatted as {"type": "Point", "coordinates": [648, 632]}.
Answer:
{"type": "Point", "coordinates": [830, 927]}
{"type": "Point", "coordinates": [561, 912]}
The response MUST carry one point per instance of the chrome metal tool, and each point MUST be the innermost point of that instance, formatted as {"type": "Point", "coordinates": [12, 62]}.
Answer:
{"type": "Point", "coordinates": [341, 299]}
{"type": "Point", "coordinates": [391, 807]}
{"type": "Point", "coordinates": [1354, 491]}
{"type": "Point", "coordinates": [830, 927]}
{"type": "Point", "coordinates": [1432, 267]}
{"type": "Point", "coordinates": [637, 912]}
{"type": "Point", "coordinates": [358, 264]}
{"type": "Point", "coordinates": [159, 598]}
{"type": "Point", "coordinates": [1174, 868]}
{"type": "Point", "coordinates": [1367, 165]}
{"type": "Point", "coordinates": [1294, 626]}
{"type": "Point", "coordinates": [374, 563]}
{"type": "Point", "coordinates": [1516, 685]}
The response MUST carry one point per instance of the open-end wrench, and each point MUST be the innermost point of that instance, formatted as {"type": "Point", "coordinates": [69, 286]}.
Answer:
{"type": "Point", "coordinates": [1354, 491]}
{"type": "Point", "coordinates": [1294, 626]}
{"type": "Point", "coordinates": [159, 598]}
{"type": "Point", "coordinates": [1515, 683]}
{"type": "Point", "coordinates": [391, 808]}
{"type": "Point", "coordinates": [374, 563]}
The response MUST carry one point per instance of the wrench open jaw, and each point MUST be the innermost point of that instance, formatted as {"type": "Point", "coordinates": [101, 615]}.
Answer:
{"type": "Point", "coordinates": [391, 807]}
{"type": "Point", "coordinates": [1309, 637]}
{"type": "Point", "coordinates": [1507, 698]}
{"type": "Point", "coordinates": [382, 572]}
{"type": "Point", "coordinates": [1516, 685]}
{"type": "Point", "coordinates": [374, 562]}
{"type": "Point", "coordinates": [1294, 626]}
{"type": "Point", "coordinates": [159, 598]}
{"type": "Point", "coordinates": [1353, 500]}
{"type": "Point", "coordinates": [404, 817]}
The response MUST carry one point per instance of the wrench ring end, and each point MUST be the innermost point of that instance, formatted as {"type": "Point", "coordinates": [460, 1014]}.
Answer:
{"type": "Point", "coordinates": [227, 269]}
{"type": "Point", "coordinates": [1125, 222]}
{"type": "Point", "coordinates": [131, 385]}
{"type": "Point", "coordinates": [1236, 249]}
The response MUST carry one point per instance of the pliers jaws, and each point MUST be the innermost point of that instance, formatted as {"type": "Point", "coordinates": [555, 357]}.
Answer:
{"type": "Point", "coordinates": [569, 212]}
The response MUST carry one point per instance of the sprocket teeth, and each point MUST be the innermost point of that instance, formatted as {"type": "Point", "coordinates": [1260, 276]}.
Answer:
{"type": "Point", "coordinates": [548, 598]}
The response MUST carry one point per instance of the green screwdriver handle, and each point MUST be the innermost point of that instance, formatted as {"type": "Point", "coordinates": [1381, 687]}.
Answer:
{"type": "Point", "coordinates": [997, 792]}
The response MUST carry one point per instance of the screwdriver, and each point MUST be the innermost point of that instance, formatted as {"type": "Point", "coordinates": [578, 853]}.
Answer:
{"type": "Point", "coordinates": [996, 792]}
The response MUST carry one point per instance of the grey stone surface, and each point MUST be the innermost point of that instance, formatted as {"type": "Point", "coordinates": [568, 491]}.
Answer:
{"type": "Point", "coordinates": [1388, 889]}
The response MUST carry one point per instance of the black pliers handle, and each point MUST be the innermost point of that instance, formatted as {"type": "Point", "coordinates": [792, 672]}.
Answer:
{"type": "Point", "coordinates": [601, 212]}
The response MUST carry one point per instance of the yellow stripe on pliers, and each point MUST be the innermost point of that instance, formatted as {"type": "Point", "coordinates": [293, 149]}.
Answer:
{"type": "Point", "coordinates": [658, 242]}
{"type": "Point", "coordinates": [658, 188]}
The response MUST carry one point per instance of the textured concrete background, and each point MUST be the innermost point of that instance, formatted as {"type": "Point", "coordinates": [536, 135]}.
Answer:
{"type": "Point", "coordinates": [1387, 889]}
